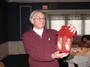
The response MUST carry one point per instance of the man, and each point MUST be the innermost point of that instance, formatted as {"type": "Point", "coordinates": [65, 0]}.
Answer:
{"type": "Point", "coordinates": [40, 43]}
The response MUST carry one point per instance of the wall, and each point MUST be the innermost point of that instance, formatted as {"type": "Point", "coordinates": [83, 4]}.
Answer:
{"type": "Point", "coordinates": [3, 22]}
{"type": "Point", "coordinates": [3, 30]}
{"type": "Point", "coordinates": [16, 47]}
{"type": "Point", "coordinates": [13, 22]}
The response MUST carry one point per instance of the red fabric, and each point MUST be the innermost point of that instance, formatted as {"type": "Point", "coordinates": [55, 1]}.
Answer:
{"type": "Point", "coordinates": [64, 31]}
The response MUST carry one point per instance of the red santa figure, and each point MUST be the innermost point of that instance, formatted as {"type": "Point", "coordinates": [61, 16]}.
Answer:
{"type": "Point", "coordinates": [65, 38]}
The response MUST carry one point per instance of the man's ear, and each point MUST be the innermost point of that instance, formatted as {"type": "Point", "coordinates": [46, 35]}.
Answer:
{"type": "Point", "coordinates": [31, 20]}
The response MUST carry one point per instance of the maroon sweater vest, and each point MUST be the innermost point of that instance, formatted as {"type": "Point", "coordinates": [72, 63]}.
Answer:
{"type": "Point", "coordinates": [40, 49]}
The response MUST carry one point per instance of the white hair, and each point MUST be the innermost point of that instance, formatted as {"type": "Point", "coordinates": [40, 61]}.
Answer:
{"type": "Point", "coordinates": [35, 11]}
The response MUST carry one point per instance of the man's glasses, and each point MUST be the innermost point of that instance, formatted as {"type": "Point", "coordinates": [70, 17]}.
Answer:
{"type": "Point", "coordinates": [39, 18]}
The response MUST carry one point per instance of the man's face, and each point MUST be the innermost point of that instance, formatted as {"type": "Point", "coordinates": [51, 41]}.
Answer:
{"type": "Point", "coordinates": [64, 43]}
{"type": "Point", "coordinates": [38, 20]}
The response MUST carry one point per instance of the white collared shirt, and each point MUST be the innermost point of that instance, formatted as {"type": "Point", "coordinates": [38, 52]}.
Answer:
{"type": "Point", "coordinates": [38, 31]}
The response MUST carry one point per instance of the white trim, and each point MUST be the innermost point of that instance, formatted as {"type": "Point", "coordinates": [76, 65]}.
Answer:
{"type": "Point", "coordinates": [66, 11]}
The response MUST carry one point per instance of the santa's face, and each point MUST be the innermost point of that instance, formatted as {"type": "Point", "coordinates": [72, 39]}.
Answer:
{"type": "Point", "coordinates": [64, 43]}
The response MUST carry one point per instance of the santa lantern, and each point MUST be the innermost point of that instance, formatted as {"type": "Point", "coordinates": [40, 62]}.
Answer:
{"type": "Point", "coordinates": [65, 38]}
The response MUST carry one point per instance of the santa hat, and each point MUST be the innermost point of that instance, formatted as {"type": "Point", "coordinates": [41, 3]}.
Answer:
{"type": "Point", "coordinates": [64, 31]}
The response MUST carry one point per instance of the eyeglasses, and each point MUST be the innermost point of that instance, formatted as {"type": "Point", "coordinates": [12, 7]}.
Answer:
{"type": "Point", "coordinates": [39, 18]}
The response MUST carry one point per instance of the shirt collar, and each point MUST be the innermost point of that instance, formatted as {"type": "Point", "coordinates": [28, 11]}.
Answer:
{"type": "Point", "coordinates": [38, 31]}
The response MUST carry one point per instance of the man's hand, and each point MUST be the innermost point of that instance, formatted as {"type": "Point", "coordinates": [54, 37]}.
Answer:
{"type": "Point", "coordinates": [72, 28]}
{"type": "Point", "coordinates": [59, 55]}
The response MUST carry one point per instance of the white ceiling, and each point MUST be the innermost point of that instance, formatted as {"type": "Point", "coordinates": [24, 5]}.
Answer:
{"type": "Point", "coordinates": [29, 1]}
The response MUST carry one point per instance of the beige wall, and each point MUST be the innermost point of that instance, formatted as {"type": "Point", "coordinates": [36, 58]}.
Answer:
{"type": "Point", "coordinates": [11, 48]}
{"type": "Point", "coordinates": [16, 47]}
